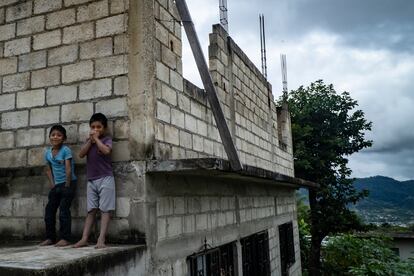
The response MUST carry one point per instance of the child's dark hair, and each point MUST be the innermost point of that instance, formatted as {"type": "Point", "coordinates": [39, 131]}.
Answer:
{"type": "Point", "coordinates": [59, 128]}
{"type": "Point", "coordinates": [99, 117]}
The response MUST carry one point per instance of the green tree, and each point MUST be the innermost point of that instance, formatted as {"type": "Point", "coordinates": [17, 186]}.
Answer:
{"type": "Point", "coordinates": [326, 129]}
{"type": "Point", "coordinates": [350, 255]}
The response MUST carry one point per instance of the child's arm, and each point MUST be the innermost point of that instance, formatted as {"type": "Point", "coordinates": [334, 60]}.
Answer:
{"type": "Point", "coordinates": [68, 170]}
{"type": "Point", "coordinates": [85, 148]}
{"type": "Point", "coordinates": [49, 175]}
{"type": "Point", "coordinates": [102, 147]}
{"type": "Point", "coordinates": [105, 149]}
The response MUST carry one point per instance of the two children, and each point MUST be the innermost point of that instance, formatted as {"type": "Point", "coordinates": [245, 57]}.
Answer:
{"type": "Point", "coordinates": [100, 186]}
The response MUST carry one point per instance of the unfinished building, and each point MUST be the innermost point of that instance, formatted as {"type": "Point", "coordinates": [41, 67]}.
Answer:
{"type": "Point", "coordinates": [178, 199]}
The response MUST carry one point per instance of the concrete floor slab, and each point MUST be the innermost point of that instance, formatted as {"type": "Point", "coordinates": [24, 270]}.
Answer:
{"type": "Point", "coordinates": [47, 260]}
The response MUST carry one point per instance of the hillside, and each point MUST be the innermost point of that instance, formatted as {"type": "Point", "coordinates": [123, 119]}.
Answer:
{"type": "Point", "coordinates": [389, 200]}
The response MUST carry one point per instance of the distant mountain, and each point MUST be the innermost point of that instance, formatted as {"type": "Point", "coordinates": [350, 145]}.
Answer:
{"type": "Point", "coordinates": [389, 200]}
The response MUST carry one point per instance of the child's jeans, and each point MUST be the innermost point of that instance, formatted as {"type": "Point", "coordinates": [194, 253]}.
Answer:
{"type": "Point", "coordinates": [59, 197]}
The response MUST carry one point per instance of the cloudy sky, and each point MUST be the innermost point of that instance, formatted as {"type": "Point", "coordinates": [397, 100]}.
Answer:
{"type": "Point", "coordinates": [363, 47]}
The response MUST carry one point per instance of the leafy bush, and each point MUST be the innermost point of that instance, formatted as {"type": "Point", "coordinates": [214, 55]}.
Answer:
{"type": "Point", "coordinates": [350, 255]}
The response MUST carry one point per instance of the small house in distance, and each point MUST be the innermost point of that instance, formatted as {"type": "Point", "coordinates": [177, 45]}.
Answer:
{"type": "Point", "coordinates": [178, 199]}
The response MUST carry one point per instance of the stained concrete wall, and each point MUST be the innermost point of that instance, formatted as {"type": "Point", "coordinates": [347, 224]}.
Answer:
{"type": "Point", "coordinates": [192, 208]}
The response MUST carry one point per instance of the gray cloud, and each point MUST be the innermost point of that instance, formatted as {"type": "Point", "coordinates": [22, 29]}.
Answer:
{"type": "Point", "coordinates": [364, 47]}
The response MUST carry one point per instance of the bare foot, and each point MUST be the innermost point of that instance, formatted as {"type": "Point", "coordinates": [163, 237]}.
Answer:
{"type": "Point", "coordinates": [62, 243]}
{"type": "Point", "coordinates": [81, 243]}
{"type": "Point", "coordinates": [100, 244]}
{"type": "Point", "coordinates": [46, 242]}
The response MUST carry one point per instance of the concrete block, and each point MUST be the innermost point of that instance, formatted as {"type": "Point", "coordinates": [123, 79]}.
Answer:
{"type": "Point", "coordinates": [93, 11]}
{"type": "Point", "coordinates": [190, 123]}
{"type": "Point", "coordinates": [168, 57]}
{"type": "Point", "coordinates": [47, 40]}
{"type": "Point", "coordinates": [208, 147]}
{"type": "Point", "coordinates": [62, 55]}
{"type": "Point", "coordinates": [168, 94]}
{"type": "Point", "coordinates": [186, 140]}
{"type": "Point", "coordinates": [189, 224]}
{"type": "Point", "coordinates": [121, 44]}
{"type": "Point", "coordinates": [42, 6]}
{"type": "Point", "coordinates": [161, 228]}
{"type": "Point", "coordinates": [111, 66]}
{"type": "Point", "coordinates": [171, 135]}
{"type": "Point", "coordinates": [201, 128]}
{"type": "Point", "coordinates": [16, 119]}
{"type": "Point", "coordinates": [95, 89]}
{"type": "Point", "coordinates": [7, 32]}
{"type": "Point", "coordinates": [28, 207]}
{"type": "Point", "coordinates": [8, 66]}
{"type": "Point", "coordinates": [121, 86]}
{"type": "Point", "coordinates": [176, 80]}
{"type": "Point", "coordinates": [183, 102]}
{"type": "Point", "coordinates": [120, 151]}
{"type": "Point", "coordinates": [118, 6]}
{"type": "Point", "coordinates": [19, 11]}
{"type": "Point", "coordinates": [77, 112]}
{"type": "Point", "coordinates": [163, 112]}
{"type": "Point", "coordinates": [174, 226]}
{"type": "Point", "coordinates": [31, 98]}
{"type": "Point", "coordinates": [17, 47]}
{"type": "Point", "coordinates": [13, 158]}
{"type": "Point", "coordinates": [16, 82]}
{"type": "Point", "coordinates": [162, 72]}
{"type": "Point", "coordinates": [198, 144]}
{"type": "Point", "coordinates": [35, 156]}
{"type": "Point", "coordinates": [31, 25]}
{"type": "Point", "coordinates": [61, 94]}
{"type": "Point", "coordinates": [2, 16]}
{"type": "Point", "coordinates": [79, 71]}
{"type": "Point", "coordinates": [44, 116]}
{"type": "Point", "coordinates": [121, 129]}
{"type": "Point", "coordinates": [60, 19]}
{"type": "Point", "coordinates": [96, 48]}
{"type": "Point", "coordinates": [201, 222]}
{"type": "Point", "coordinates": [6, 207]}
{"type": "Point", "coordinates": [111, 25]}
{"type": "Point", "coordinates": [32, 61]}
{"type": "Point", "coordinates": [30, 137]}
{"type": "Point", "coordinates": [161, 33]}
{"type": "Point", "coordinates": [46, 77]}
{"type": "Point", "coordinates": [7, 139]}
{"type": "Point", "coordinates": [84, 130]}
{"type": "Point", "coordinates": [113, 108]}
{"type": "Point", "coordinates": [159, 134]}
{"type": "Point", "coordinates": [78, 33]}
{"type": "Point", "coordinates": [177, 117]}
{"type": "Point", "coordinates": [205, 204]}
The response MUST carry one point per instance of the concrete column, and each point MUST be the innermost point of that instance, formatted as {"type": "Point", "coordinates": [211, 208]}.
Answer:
{"type": "Point", "coordinates": [141, 97]}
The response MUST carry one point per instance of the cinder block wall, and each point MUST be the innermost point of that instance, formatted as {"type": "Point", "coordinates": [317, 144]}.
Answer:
{"type": "Point", "coordinates": [61, 61]}
{"type": "Point", "coordinates": [185, 126]}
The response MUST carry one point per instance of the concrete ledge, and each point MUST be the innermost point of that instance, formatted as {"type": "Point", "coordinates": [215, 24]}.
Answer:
{"type": "Point", "coordinates": [50, 260]}
{"type": "Point", "coordinates": [215, 167]}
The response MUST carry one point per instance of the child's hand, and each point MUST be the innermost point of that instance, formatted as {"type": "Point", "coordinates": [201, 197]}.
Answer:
{"type": "Point", "coordinates": [92, 135]}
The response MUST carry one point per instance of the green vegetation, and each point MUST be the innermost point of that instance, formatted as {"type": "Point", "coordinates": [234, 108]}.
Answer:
{"type": "Point", "coordinates": [350, 255]}
{"type": "Point", "coordinates": [326, 129]}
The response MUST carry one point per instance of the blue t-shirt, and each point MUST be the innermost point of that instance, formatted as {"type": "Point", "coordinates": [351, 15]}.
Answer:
{"type": "Point", "coordinates": [57, 163]}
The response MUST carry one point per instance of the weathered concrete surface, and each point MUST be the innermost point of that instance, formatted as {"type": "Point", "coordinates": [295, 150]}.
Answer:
{"type": "Point", "coordinates": [50, 260]}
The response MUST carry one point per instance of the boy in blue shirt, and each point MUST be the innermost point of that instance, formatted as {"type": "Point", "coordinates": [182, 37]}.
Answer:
{"type": "Point", "coordinates": [62, 181]}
